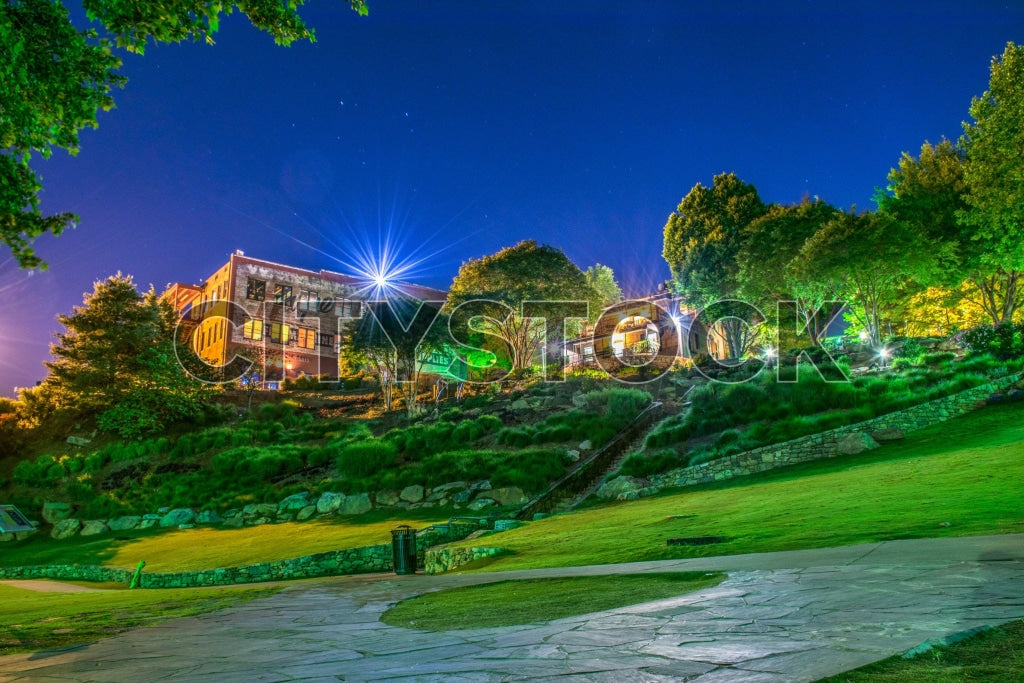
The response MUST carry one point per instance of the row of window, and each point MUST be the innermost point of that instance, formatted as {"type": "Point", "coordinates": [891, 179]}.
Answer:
{"type": "Point", "coordinates": [308, 299]}
{"type": "Point", "coordinates": [282, 333]}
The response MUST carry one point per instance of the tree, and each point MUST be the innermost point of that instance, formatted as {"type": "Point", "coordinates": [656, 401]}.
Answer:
{"type": "Point", "coordinates": [117, 361]}
{"type": "Point", "coordinates": [702, 239]}
{"type": "Point", "coordinates": [397, 339]}
{"type": "Point", "coordinates": [55, 78]}
{"type": "Point", "coordinates": [766, 269]}
{"type": "Point", "coordinates": [870, 257]}
{"type": "Point", "coordinates": [521, 296]}
{"type": "Point", "coordinates": [994, 174]}
{"type": "Point", "coordinates": [602, 279]}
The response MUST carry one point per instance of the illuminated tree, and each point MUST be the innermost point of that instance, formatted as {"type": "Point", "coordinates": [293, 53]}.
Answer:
{"type": "Point", "coordinates": [489, 294]}
{"type": "Point", "coordinates": [55, 78]}
{"type": "Point", "coordinates": [602, 279]}
{"type": "Point", "coordinates": [703, 237]}
{"type": "Point", "coordinates": [994, 174]}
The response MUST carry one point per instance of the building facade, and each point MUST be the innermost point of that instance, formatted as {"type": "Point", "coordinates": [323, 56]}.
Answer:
{"type": "Point", "coordinates": [287, 320]}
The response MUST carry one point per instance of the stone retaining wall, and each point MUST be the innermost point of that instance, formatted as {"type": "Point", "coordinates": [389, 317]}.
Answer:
{"type": "Point", "coordinates": [442, 560]}
{"type": "Point", "coordinates": [368, 559]}
{"type": "Point", "coordinates": [825, 444]}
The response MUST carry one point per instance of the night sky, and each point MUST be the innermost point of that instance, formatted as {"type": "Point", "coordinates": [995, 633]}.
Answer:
{"type": "Point", "coordinates": [456, 128]}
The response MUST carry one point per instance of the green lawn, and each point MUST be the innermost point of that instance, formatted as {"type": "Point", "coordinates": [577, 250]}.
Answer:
{"type": "Point", "coordinates": [956, 479]}
{"type": "Point", "coordinates": [32, 621]}
{"type": "Point", "coordinates": [207, 548]}
{"type": "Point", "coordinates": [508, 603]}
{"type": "Point", "coordinates": [995, 655]}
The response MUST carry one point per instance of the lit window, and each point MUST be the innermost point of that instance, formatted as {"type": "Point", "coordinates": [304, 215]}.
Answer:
{"type": "Point", "coordinates": [256, 290]}
{"type": "Point", "coordinates": [253, 329]}
{"type": "Point", "coordinates": [283, 294]}
{"type": "Point", "coordinates": [307, 338]}
{"type": "Point", "coordinates": [279, 333]}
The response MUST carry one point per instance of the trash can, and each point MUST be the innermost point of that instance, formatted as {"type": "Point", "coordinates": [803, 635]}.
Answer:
{"type": "Point", "coordinates": [403, 549]}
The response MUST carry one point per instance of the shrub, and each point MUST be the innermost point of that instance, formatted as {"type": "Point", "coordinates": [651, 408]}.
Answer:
{"type": "Point", "coordinates": [365, 458]}
{"type": "Point", "coordinates": [1004, 341]}
{"type": "Point", "coordinates": [516, 437]}
{"type": "Point", "coordinates": [663, 460]}
{"type": "Point", "coordinates": [937, 357]}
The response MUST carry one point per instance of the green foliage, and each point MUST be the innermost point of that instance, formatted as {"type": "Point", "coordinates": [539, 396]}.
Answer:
{"type": "Point", "coordinates": [56, 79]}
{"type": "Point", "coordinates": [641, 465]}
{"type": "Point", "coordinates": [365, 458]}
{"type": "Point", "coordinates": [1006, 340]}
{"type": "Point", "coordinates": [602, 280]}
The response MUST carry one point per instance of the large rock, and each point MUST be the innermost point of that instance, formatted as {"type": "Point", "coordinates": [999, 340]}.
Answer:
{"type": "Point", "coordinates": [508, 495]}
{"type": "Point", "coordinates": [124, 523]}
{"type": "Point", "coordinates": [329, 501]}
{"type": "Point", "coordinates": [520, 404]}
{"type": "Point", "coordinates": [587, 445]}
{"type": "Point", "coordinates": [450, 486]}
{"type": "Point", "coordinates": [66, 528]}
{"type": "Point", "coordinates": [481, 503]}
{"type": "Point", "coordinates": [579, 399]}
{"type": "Point", "coordinates": [149, 521]}
{"type": "Point", "coordinates": [386, 498]}
{"type": "Point", "coordinates": [254, 510]}
{"type": "Point", "coordinates": [891, 434]}
{"type": "Point", "coordinates": [294, 502]}
{"type": "Point", "coordinates": [55, 512]}
{"type": "Point", "coordinates": [305, 513]}
{"type": "Point", "coordinates": [855, 443]}
{"type": "Point", "coordinates": [177, 517]}
{"type": "Point", "coordinates": [355, 504]}
{"type": "Point", "coordinates": [412, 494]}
{"type": "Point", "coordinates": [462, 497]}
{"type": "Point", "coordinates": [209, 517]}
{"type": "Point", "coordinates": [93, 527]}
{"type": "Point", "coordinates": [619, 488]}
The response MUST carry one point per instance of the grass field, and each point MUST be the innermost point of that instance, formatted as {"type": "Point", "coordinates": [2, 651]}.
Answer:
{"type": "Point", "coordinates": [996, 655]}
{"type": "Point", "coordinates": [956, 479]}
{"type": "Point", "coordinates": [508, 603]}
{"type": "Point", "coordinates": [208, 548]}
{"type": "Point", "coordinates": [32, 621]}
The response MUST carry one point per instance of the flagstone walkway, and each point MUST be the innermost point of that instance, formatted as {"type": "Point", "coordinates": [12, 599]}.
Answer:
{"type": "Point", "coordinates": [791, 616]}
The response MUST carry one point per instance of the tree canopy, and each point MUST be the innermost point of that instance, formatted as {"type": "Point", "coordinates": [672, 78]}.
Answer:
{"type": "Point", "coordinates": [55, 78]}
{"type": "Point", "coordinates": [602, 279]}
{"type": "Point", "coordinates": [117, 362]}
{"type": "Point", "coordinates": [994, 175]}
{"type": "Point", "coordinates": [508, 295]}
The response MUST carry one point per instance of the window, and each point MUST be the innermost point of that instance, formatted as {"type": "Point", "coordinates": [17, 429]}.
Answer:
{"type": "Point", "coordinates": [350, 309]}
{"type": "Point", "coordinates": [283, 295]}
{"type": "Point", "coordinates": [307, 338]}
{"type": "Point", "coordinates": [308, 300]}
{"type": "Point", "coordinates": [279, 333]}
{"type": "Point", "coordinates": [253, 329]}
{"type": "Point", "coordinates": [256, 290]}
{"type": "Point", "coordinates": [327, 340]}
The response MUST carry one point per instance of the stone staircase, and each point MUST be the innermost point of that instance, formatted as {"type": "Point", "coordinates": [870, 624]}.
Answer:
{"type": "Point", "coordinates": [588, 475]}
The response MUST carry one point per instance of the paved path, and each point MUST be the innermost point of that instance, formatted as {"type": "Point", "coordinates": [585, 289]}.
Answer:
{"type": "Point", "coordinates": [793, 616]}
{"type": "Point", "coordinates": [46, 586]}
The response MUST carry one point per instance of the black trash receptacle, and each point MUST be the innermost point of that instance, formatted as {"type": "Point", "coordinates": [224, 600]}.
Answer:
{"type": "Point", "coordinates": [403, 549]}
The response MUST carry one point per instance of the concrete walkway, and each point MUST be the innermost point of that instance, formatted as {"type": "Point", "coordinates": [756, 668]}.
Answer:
{"type": "Point", "coordinates": [792, 616]}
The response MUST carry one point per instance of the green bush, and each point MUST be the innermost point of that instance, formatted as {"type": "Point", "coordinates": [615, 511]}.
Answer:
{"type": "Point", "coordinates": [658, 462]}
{"type": "Point", "coordinates": [365, 458]}
{"type": "Point", "coordinates": [937, 357]}
{"type": "Point", "coordinates": [516, 437]}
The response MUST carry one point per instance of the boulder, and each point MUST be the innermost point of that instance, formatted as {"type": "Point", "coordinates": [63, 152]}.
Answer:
{"type": "Point", "coordinates": [619, 487]}
{"type": "Point", "coordinates": [587, 445]}
{"type": "Point", "coordinates": [462, 497]}
{"type": "Point", "coordinates": [177, 517]}
{"type": "Point", "coordinates": [520, 404]}
{"type": "Point", "coordinates": [91, 527]}
{"type": "Point", "coordinates": [294, 502]}
{"type": "Point", "coordinates": [412, 494]}
{"type": "Point", "coordinates": [508, 495]}
{"type": "Point", "coordinates": [124, 523]}
{"type": "Point", "coordinates": [855, 443]}
{"type": "Point", "coordinates": [579, 399]}
{"type": "Point", "coordinates": [573, 454]}
{"type": "Point", "coordinates": [355, 504]}
{"type": "Point", "coordinates": [481, 486]}
{"type": "Point", "coordinates": [209, 517]}
{"type": "Point", "coordinates": [305, 513]}
{"type": "Point", "coordinates": [329, 501]}
{"type": "Point", "coordinates": [450, 486]}
{"type": "Point", "coordinates": [481, 503]}
{"type": "Point", "coordinates": [66, 528]}
{"type": "Point", "coordinates": [234, 522]}
{"type": "Point", "coordinates": [387, 498]}
{"type": "Point", "coordinates": [259, 510]}
{"type": "Point", "coordinates": [891, 434]}
{"type": "Point", "coordinates": [7, 537]}
{"type": "Point", "coordinates": [149, 521]}
{"type": "Point", "coordinates": [55, 512]}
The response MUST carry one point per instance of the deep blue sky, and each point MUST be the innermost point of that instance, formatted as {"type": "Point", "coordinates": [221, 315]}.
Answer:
{"type": "Point", "coordinates": [462, 127]}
